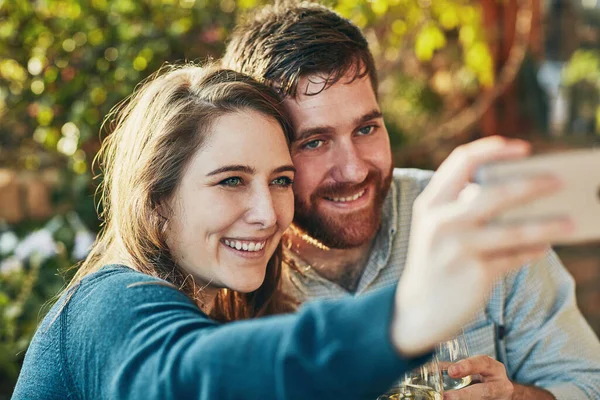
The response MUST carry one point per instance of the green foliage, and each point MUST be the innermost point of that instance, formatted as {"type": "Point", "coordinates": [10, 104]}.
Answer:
{"type": "Point", "coordinates": [33, 269]}
{"type": "Point", "coordinates": [65, 63]}
{"type": "Point", "coordinates": [581, 76]}
{"type": "Point", "coordinates": [426, 27]}
{"type": "Point", "coordinates": [21, 301]}
{"type": "Point", "coordinates": [584, 66]}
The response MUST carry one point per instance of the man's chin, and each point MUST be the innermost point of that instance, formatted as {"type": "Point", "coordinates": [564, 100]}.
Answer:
{"type": "Point", "coordinates": [348, 240]}
{"type": "Point", "coordinates": [346, 232]}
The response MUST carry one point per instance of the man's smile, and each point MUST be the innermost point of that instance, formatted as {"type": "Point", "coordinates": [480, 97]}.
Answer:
{"type": "Point", "coordinates": [347, 198]}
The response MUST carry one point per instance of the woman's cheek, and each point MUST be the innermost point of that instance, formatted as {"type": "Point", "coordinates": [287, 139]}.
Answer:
{"type": "Point", "coordinates": [286, 209]}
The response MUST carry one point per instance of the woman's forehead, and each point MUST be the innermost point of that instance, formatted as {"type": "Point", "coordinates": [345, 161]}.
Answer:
{"type": "Point", "coordinates": [244, 138]}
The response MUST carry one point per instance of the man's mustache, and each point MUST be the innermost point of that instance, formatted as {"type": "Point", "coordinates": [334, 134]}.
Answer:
{"type": "Point", "coordinates": [341, 189]}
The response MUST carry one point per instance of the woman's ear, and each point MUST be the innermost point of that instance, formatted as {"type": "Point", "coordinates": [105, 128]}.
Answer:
{"type": "Point", "coordinates": [163, 211]}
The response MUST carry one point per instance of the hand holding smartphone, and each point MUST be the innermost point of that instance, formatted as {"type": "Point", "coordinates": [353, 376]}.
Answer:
{"type": "Point", "coordinates": [579, 199]}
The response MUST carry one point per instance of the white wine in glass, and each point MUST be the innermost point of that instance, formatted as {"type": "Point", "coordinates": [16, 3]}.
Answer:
{"type": "Point", "coordinates": [423, 383]}
{"type": "Point", "coordinates": [411, 392]}
{"type": "Point", "coordinates": [448, 353]}
{"type": "Point", "coordinates": [455, 384]}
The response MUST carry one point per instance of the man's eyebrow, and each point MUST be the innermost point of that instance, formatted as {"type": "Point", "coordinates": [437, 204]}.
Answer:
{"type": "Point", "coordinates": [318, 130]}
{"type": "Point", "coordinates": [233, 168]}
{"type": "Point", "coordinates": [375, 114]}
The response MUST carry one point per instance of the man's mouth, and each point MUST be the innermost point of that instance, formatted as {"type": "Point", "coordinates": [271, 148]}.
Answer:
{"type": "Point", "coordinates": [347, 198]}
{"type": "Point", "coordinates": [245, 245]}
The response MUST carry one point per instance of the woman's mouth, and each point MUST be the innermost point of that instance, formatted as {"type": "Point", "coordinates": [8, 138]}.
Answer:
{"type": "Point", "coordinates": [250, 246]}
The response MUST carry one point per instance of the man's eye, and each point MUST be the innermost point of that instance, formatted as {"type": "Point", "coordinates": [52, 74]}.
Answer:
{"type": "Point", "coordinates": [231, 182]}
{"type": "Point", "coordinates": [313, 144]}
{"type": "Point", "coordinates": [283, 181]}
{"type": "Point", "coordinates": [365, 130]}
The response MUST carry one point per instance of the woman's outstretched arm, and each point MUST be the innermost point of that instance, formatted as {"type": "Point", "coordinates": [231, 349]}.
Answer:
{"type": "Point", "coordinates": [128, 336]}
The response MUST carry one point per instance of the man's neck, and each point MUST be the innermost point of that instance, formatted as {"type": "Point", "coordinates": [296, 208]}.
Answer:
{"type": "Point", "coordinates": [341, 266]}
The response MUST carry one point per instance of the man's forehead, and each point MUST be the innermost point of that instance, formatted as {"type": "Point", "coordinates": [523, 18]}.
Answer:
{"type": "Point", "coordinates": [317, 90]}
{"type": "Point", "coordinates": [339, 107]}
{"type": "Point", "coordinates": [315, 83]}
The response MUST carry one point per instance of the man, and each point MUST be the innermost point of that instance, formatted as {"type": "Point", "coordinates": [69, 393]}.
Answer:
{"type": "Point", "coordinates": [354, 212]}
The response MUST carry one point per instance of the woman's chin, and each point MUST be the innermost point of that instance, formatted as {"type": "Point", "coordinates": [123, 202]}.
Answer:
{"type": "Point", "coordinates": [247, 285]}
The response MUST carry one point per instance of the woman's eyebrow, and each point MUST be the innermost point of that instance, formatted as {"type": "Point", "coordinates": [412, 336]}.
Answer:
{"type": "Point", "coordinates": [285, 168]}
{"type": "Point", "coordinates": [233, 168]}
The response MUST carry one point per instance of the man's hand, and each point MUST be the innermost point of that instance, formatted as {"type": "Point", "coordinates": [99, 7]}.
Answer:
{"type": "Point", "coordinates": [454, 255]}
{"type": "Point", "coordinates": [493, 385]}
{"type": "Point", "coordinates": [494, 382]}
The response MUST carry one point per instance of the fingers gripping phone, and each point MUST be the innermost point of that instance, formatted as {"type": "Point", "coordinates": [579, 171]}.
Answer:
{"type": "Point", "coordinates": [579, 198]}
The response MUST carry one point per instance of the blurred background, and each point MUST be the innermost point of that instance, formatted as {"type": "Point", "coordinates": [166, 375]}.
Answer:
{"type": "Point", "coordinates": [450, 70]}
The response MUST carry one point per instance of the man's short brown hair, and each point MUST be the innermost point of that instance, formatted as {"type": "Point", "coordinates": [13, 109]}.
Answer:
{"type": "Point", "coordinates": [285, 42]}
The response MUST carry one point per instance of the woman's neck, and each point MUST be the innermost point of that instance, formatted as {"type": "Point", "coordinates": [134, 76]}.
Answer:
{"type": "Point", "coordinates": [205, 297]}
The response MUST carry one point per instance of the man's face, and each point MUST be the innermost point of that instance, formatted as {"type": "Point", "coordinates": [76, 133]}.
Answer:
{"type": "Point", "coordinates": [342, 155]}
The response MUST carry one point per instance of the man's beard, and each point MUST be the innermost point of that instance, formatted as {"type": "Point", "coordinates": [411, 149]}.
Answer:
{"type": "Point", "coordinates": [343, 231]}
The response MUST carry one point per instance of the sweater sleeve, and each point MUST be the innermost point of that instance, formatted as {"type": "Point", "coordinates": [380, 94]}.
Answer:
{"type": "Point", "coordinates": [131, 339]}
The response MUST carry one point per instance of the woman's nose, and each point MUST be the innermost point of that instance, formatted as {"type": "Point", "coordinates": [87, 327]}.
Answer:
{"type": "Point", "coordinates": [261, 209]}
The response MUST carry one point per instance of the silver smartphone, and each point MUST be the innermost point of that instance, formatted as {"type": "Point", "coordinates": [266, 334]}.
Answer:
{"type": "Point", "coordinates": [579, 198]}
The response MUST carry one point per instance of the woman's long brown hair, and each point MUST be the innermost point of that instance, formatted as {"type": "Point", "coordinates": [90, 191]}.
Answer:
{"type": "Point", "coordinates": [153, 135]}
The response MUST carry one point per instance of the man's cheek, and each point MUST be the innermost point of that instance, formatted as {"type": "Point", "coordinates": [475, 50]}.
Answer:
{"type": "Point", "coordinates": [300, 196]}
{"type": "Point", "coordinates": [303, 185]}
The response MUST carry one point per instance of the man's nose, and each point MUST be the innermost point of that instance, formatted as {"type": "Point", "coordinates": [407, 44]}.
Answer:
{"type": "Point", "coordinates": [349, 165]}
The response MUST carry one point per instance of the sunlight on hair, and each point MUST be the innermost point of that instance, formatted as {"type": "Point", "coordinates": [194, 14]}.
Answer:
{"type": "Point", "coordinates": [307, 238]}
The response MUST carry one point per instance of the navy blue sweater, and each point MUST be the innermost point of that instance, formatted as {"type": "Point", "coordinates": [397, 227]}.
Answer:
{"type": "Point", "coordinates": [126, 335]}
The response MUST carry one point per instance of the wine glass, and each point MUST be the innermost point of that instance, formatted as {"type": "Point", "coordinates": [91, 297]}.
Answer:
{"type": "Point", "coordinates": [422, 383]}
{"type": "Point", "coordinates": [449, 352]}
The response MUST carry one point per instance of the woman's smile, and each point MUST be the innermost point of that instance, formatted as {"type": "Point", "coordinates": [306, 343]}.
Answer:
{"type": "Point", "coordinates": [248, 247]}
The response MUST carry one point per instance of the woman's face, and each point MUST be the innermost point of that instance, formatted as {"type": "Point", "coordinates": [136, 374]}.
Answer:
{"type": "Point", "coordinates": [233, 203]}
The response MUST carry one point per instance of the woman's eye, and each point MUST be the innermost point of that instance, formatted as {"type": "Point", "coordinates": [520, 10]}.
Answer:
{"type": "Point", "coordinates": [283, 181]}
{"type": "Point", "coordinates": [313, 144]}
{"type": "Point", "coordinates": [231, 182]}
{"type": "Point", "coordinates": [366, 130]}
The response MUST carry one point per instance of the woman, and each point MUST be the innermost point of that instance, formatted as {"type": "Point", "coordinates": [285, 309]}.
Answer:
{"type": "Point", "coordinates": [196, 195]}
